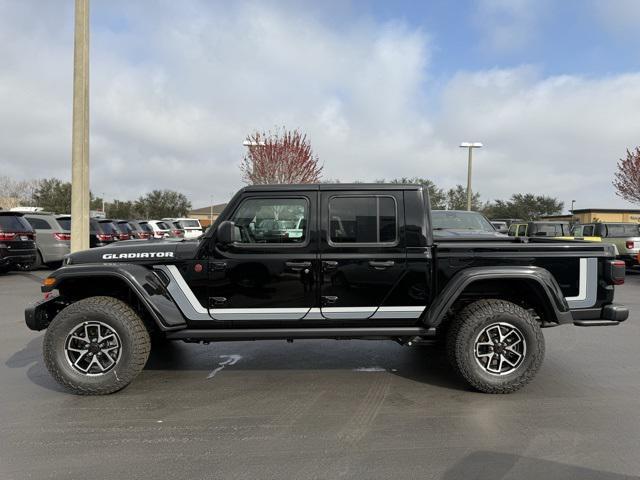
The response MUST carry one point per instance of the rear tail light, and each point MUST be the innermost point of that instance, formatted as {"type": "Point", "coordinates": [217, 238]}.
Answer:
{"type": "Point", "coordinates": [62, 236]}
{"type": "Point", "coordinates": [178, 232]}
{"type": "Point", "coordinates": [143, 235]}
{"type": "Point", "coordinates": [4, 236]}
{"type": "Point", "coordinates": [616, 272]}
{"type": "Point", "coordinates": [104, 237]}
{"type": "Point", "coordinates": [629, 244]}
{"type": "Point", "coordinates": [124, 236]}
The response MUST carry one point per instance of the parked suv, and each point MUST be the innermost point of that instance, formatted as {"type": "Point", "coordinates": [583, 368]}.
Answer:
{"type": "Point", "coordinates": [191, 226]}
{"type": "Point", "coordinates": [17, 242]}
{"type": "Point", "coordinates": [160, 229]}
{"type": "Point", "coordinates": [53, 237]}
{"type": "Point", "coordinates": [141, 229]}
{"type": "Point", "coordinates": [102, 232]}
{"type": "Point", "coordinates": [125, 232]}
{"type": "Point", "coordinates": [625, 237]}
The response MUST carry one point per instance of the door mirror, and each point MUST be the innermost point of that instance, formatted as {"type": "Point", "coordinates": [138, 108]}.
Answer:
{"type": "Point", "coordinates": [225, 234]}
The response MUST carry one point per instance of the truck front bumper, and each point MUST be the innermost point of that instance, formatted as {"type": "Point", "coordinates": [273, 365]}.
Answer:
{"type": "Point", "coordinates": [611, 314]}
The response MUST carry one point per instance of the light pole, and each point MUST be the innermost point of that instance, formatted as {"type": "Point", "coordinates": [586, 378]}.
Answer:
{"type": "Point", "coordinates": [573, 202]}
{"type": "Point", "coordinates": [470, 146]}
{"type": "Point", "coordinates": [80, 200]}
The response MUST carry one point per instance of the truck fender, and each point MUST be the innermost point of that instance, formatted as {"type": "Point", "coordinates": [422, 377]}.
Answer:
{"type": "Point", "coordinates": [143, 281]}
{"type": "Point", "coordinates": [559, 308]}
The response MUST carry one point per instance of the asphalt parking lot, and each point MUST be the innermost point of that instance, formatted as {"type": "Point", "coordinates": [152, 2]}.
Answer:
{"type": "Point", "coordinates": [323, 409]}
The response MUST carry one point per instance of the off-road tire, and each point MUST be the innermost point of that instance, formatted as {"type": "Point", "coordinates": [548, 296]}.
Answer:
{"type": "Point", "coordinates": [120, 317]}
{"type": "Point", "coordinates": [466, 327]}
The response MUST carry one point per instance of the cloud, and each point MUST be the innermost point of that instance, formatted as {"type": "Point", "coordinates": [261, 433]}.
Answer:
{"type": "Point", "coordinates": [176, 89]}
{"type": "Point", "coordinates": [620, 17]}
{"type": "Point", "coordinates": [508, 26]}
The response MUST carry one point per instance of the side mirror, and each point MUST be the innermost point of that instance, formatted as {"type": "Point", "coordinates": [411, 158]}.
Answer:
{"type": "Point", "coordinates": [225, 234]}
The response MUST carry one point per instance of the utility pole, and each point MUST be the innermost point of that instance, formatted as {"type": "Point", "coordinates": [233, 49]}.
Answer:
{"type": "Point", "coordinates": [470, 146]}
{"type": "Point", "coordinates": [80, 137]}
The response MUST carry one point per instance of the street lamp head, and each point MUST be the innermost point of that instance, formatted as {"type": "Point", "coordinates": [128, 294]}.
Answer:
{"type": "Point", "coordinates": [471, 145]}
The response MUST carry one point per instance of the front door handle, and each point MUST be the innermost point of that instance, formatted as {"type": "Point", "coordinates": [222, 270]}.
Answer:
{"type": "Point", "coordinates": [329, 264]}
{"type": "Point", "coordinates": [381, 265]}
{"type": "Point", "coordinates": [297, 266]}
{"type": "Point", "coordinates": [217, 266]}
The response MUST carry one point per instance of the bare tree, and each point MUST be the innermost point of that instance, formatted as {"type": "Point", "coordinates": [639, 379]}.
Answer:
{"type": "Point", "coordinates": [627, 177]}
{"type": "Point", "coordinates": [283, 156]}
{"type": "Point", "coordinates": [17, 193]}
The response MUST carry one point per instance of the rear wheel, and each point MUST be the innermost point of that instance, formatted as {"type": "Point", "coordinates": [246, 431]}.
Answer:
{"type": "Point", "coordinates": [37, 264]}
{"type": "Point", "coordinates": [96, 346]}
{"type": "Point", "coordinates": [495, 345]}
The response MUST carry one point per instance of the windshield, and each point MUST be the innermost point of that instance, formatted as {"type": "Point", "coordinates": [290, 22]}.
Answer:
{"type": "Point", "coordinates": [163, 226]}
{"type": "Point", "coordinates": [455, 220]}
{"type": "Point", "coordinates": [125, 227]}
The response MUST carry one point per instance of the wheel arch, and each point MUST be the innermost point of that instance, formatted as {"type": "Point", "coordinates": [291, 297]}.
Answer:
{"type": "Point", "coordinates": [136, 285]}
{"type": "Point", "coordinates": [530, 287]}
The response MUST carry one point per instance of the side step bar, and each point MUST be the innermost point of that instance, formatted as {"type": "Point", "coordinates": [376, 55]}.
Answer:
{"type": "Point", "coordinates": [595, 323]}
{"type": "Point", "coordinates": [291, 333]}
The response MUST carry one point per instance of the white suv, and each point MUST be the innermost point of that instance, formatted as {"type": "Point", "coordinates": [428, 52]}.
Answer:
{"type": "Point", "coordinates": [191, 226]}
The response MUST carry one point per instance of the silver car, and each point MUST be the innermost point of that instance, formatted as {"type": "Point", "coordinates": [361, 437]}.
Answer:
{"type": "Point", "coordinates": [53, 237]}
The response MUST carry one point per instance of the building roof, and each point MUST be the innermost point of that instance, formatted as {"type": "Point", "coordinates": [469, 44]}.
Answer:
{"type": "Point", "coordinates": [217, 209]}
{"type": "Point", "coordinates": [606, 210]}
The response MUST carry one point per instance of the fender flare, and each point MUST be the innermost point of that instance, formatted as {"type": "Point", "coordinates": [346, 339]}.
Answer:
{"type": "Point", "coordinates": [144, 282]}
{"type": "Point", "coordinates": [543, 279]}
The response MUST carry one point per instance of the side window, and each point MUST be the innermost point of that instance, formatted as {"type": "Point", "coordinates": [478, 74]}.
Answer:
{"type": "Point", "coordinates": [522, 230]}
{"type": "Point", "coordinates": [365, 219]}
{"type": "Point", "coordinates": [38, 223]}
{"type": "Point", "coordinates": [272, 221]}
{"type": "Point", "coordinates": [512, 230]}
{"type": "Point", "coordinates": [588, 231]}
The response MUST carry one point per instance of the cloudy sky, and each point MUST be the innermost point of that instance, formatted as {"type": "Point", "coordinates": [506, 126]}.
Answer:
{"type": "Point", "coordinates": [383, 89]}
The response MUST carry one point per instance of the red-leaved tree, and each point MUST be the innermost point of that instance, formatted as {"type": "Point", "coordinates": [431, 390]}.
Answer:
{"type": "Point", "coordinates": [283, 156]}
{"type": "Point", "coordinates": [627, 177]}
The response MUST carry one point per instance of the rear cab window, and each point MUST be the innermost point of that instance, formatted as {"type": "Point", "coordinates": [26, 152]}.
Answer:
{"type": "Point", "coordinates": [622, 230]}
{"type": "Point", "coordinates": [367, 219]}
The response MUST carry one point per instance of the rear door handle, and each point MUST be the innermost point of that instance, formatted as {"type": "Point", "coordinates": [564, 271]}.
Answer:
{"type": "Point", "coordinates": [329, 264]}
{"type": "Point", "coordinates": [297, 266]}
{"type": "Point", "coordinates": [381, 265]}
{"type": "Point", "coordinates": [217, 266]}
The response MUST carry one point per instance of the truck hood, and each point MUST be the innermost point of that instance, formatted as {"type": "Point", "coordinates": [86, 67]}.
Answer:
{"type": "Point", "coordinates": [137, 251]}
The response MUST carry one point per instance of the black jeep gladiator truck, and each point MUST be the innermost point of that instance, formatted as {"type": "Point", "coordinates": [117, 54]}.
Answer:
{"type": "Point", "coordinates": [324, 261]}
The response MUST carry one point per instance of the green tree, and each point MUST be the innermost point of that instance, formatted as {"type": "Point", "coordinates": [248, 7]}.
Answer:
{"type": "Point", "coordinates": [162, 203]}
{"type": "Point", "coordinates": [53, 195]}
{"type": "Point", "coordinates": [456, 199]}
{"type": "Point", "coordinates": [436, 195]}
{"type": "Point", "coordinates": [526, 206]}
{"type": "Point", "coordinates": [120, 209]}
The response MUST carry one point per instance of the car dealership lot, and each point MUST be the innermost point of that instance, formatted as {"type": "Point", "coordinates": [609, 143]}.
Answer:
{"type": "Point", "coordinates": [323, 409]}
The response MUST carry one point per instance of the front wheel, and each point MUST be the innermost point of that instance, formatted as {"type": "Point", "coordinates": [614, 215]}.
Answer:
{"type": "Point", "coordinates": [495, 345]}
{"type": "Point", "coordinates": [96, 346]}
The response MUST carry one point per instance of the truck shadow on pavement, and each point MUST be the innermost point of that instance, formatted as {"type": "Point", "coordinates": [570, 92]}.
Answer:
{"type": "Point", "coordinates": [484, 465]}
{"type": "Point", "coordinates": [31, 356]}
{"type": "Point", "coordinates": [425, 365]}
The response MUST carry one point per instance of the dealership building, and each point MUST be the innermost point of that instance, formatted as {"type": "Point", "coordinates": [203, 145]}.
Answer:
{"type": "Point", "coordinates": [591, 215]}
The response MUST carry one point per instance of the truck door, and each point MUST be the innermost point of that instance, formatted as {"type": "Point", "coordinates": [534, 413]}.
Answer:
{"type": "Point", "coordinates": [269, 272]}
{"type": "Point", "coordinates": [362, 253]}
